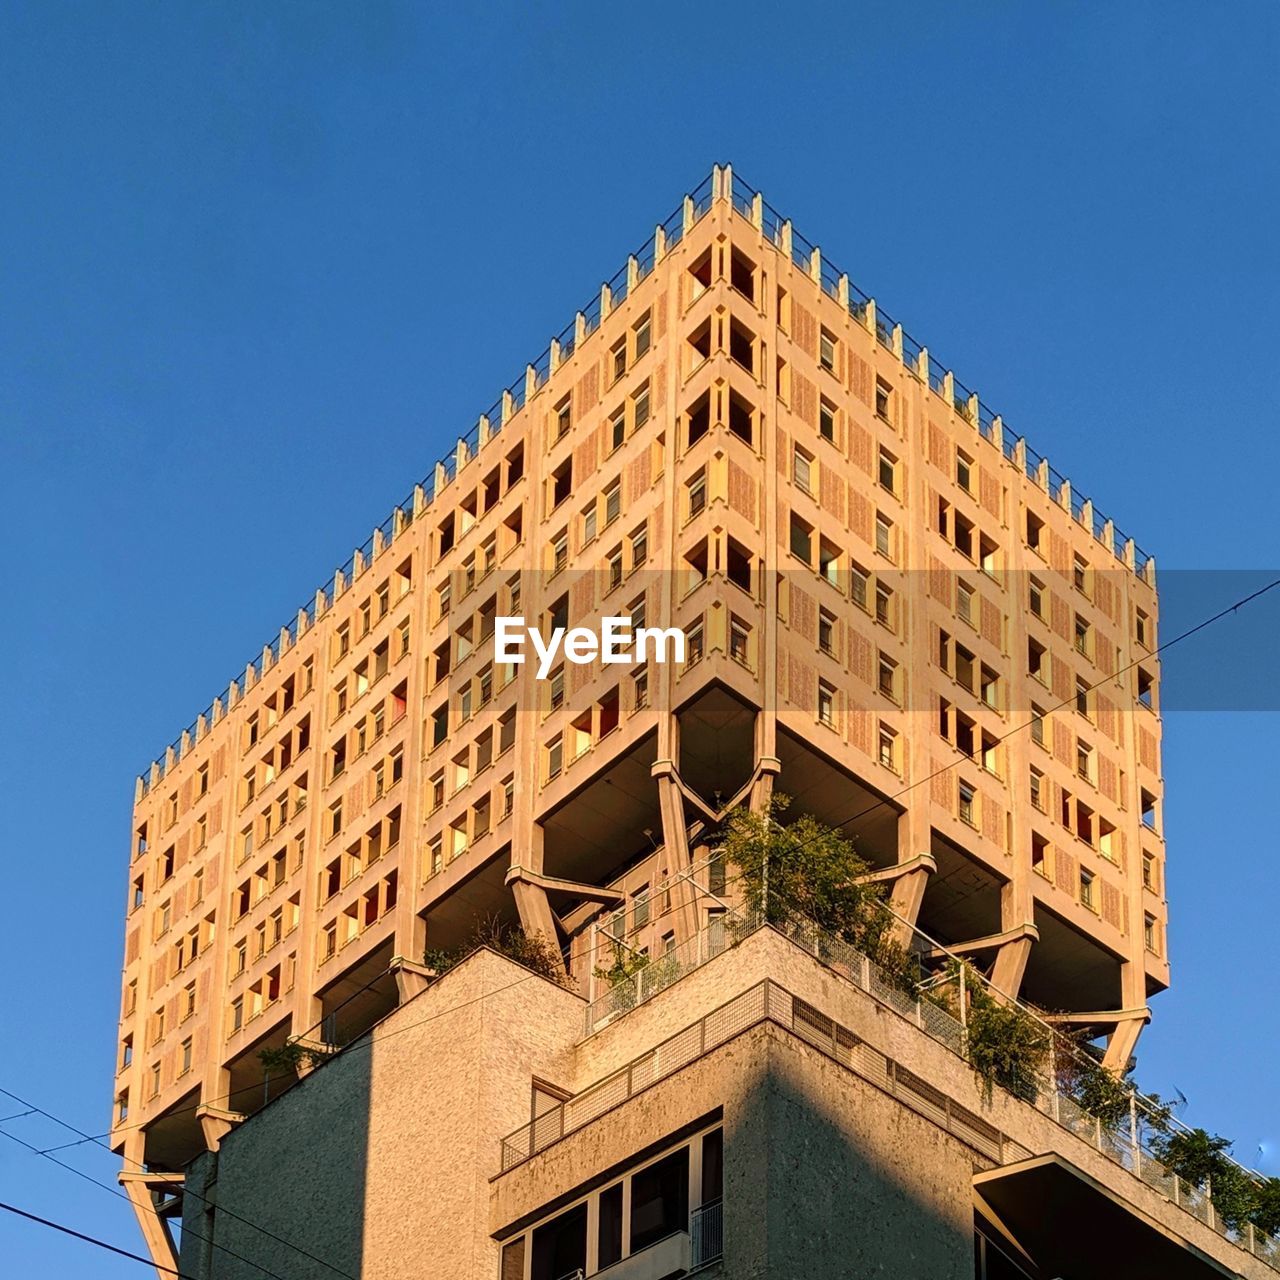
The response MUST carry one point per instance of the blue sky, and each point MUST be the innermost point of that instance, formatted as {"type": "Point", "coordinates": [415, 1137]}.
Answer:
{"type": "Point", "coordinates": [260, 264]}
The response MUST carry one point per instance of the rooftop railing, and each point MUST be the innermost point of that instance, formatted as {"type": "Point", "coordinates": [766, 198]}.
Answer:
{"type": "Point", "coordinates": [1128, 1144]}
{"type": "Point", "coordinates": [744, 199]}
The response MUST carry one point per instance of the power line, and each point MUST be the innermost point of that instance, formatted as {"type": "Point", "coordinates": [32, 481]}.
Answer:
{"type": "Point", "coordinates": [107, 1187]}
{"type": "Point", "coordinates": [102, 1244]}
{"type": "Point", "coordinates": [85, 1137]}
{"type": "Point", "coordinates": [1089, 688]}
{"type": "Point", "coordinates": [222, 1208]}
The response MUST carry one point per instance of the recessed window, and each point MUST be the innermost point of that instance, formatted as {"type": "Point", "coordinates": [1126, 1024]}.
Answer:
{"type": "Point", "coordinates": [1082, 635]}
{"type": "Point", "coordinates": [739, 639]}
{"type": "Point", "coordinates": [827, 350]}
{"type": "Point", "coordinates": [888, 471]}
{"type": "Point", "coordinates": [1037, 789]}
{"type": "Point", "coordinates": [887, 747]}
{"type": "Point", "coordinates": [618, 358]}
{"type": "Point", "coordinates": [801, 539]}
{"type": "Point", "coordinates": [564, 417]}
{"type": "Point", "coordinates": [826, 419]}
{"type": "Point", "coordinates": [802, 470]}
{"type": "Point", "coordinates": [1035, 593]}
{"type": "Point", "coordinates": [1150, 933]}
{"type": "Point", "coordinates": [643, 335]}
{"type": "Point", "coordinates": [1086, 889]}
{"type": "Point", "coordinates": [826, 631]}
{"type": "Point", "coordinates": [1035, 530]}
{"type": "Point", "coordinates": [964, 601]}
{"type": "Point", "coordinates": [826, 703]}
{"type": "Point", "coordinates": [884, 399]}
{"type": "Point", "coordinates": [1150, 873]}
{"type": "Point", "coordinates": [1080, 574]}
{"type": "Point", "coordinates": [964, 471]}
{"type": "Point", "coordinates": [887, 676]}
{"type": "Point", "coordinates": [697, 490]}
{"type": "Point", "coordinates": [1037, 725]}
{"type": "Point", "coordinates": [884, 535]}
{"type": "Point", "coordinates": [967, 803]}
{"type": "Point", "coordinates": [1146, 688]}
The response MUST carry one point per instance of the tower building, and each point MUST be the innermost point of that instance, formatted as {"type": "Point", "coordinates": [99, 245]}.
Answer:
{"type": "Point", "coordinates": [894, 611]}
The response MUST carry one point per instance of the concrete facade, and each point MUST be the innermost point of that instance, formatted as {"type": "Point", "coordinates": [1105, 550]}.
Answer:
{"type": "Point", "coordinates": [884, 587]}
{"type": "Point", "coordinates": [832, 1167]}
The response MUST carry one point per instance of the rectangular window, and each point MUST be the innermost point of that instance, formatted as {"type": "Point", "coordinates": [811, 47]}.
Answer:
{"type": "Point", "coordinates": [884, 397]}
{"type": "Point", "coordinates": [888, 748]}
{"type": "Point", "coordinates": [801, 470]}
{"type": "Point", "coordinates": [967, 794]}
{"type": "Point", "coordinates": [888, 471]}
{"type": "Point", "coordinates": [697, 488]}
{"type": "Point", "coordinates": [884, 535]}
{"type": "Point", "coordinates": [1086, 889]}
{"type": "Point", "coordinates": [827, 350]}
{"type": "Point", "coordinates": [826, 703]}
{"type": "Point", "coordinates": [826, 419]}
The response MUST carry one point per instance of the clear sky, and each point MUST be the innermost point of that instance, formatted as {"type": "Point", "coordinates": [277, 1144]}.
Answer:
{"type": "Point", "coordinates": [259, 264]}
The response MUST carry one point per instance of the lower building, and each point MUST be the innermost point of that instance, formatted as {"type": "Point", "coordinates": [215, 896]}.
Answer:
{"type": "Point", "coordinates": [758, 1105]}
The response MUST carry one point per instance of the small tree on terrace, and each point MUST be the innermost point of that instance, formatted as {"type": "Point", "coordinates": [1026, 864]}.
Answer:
{"type": "Point", "coordinates": [809, 871]}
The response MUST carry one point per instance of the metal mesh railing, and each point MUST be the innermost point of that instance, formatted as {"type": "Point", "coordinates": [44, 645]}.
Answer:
{"type": "Point", "coordinates": [1126, 1144]}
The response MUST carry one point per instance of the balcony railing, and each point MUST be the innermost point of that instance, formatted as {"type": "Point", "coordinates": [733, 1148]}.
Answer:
{"type": "Point", "coordinates": [706, 1228]}
{"type": "Point", "coordinates": [1126, 1145]}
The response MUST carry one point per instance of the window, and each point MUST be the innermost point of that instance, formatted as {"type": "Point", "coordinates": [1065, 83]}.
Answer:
{"type": "Point", "coordinates": [967, 794]}
{"type": "Point", "coordinates": [859, 579]}
{"type": "Point", "coordinates": [1086, 889]}
{"type": "Point", "coordinates": [1080, 574]}
{"type": "Point", "coordinates": [1037, 725]}
{"type": "Point", "coordinates": [697, 489]}
{"type": "Point", "coordinates": [887, 677]}
{"type": "Point", "coordinates": [559, 553]}
{"type": "Point", "coordinates": [612, 502]}
{"type": "Point", "coordinates": [1147, 803]}
{"type": "Point", "coordinates": [1150, 935]}
{"type": "Point", "coordinates": [1039, 855]}
{"type": "Point", "coordinates": [884, 535]}
{"type": "Point", "coordinates": [640, 546]}
{"type": "Point", "coordinates": [964, 471]}
{"type": "Point", "coordinates": [1082, 697]}
{"type": "Point", "coordinates": [826, 703]}
{"type": "Point", "coordinates": [801, 539]}
{"type": "Point", "coordinates": [1035, 529]}
{"type": "Point", "coordinates": [589, 524]}
{"type": "Point", "coordinates": [888, 471]}
{"type": "Point", "coordinates": [643, 336]}
{"type": "Point", "coordinates": [1037, 788]}
{"type": "Point", "coordinates": [884, 605]}
{"type": "Point", "coordinates": [826, 631]}
{"type": "Point", "coordinates": [964, 601]}
{"type": "Point", "coordinates": [555, 757]}
{"type": "Point", "coordinates": [1150, 873]}
{"type": "Point", "coordinates": [1037, 661]}
{"type": "Point", "coordinates": [888, 747]}
{"type": "Point", "coordinates": [1082, 635]}
{"type": "Point", "coordinates": [618, 427]}
{"type": "Point", "coordinates": [659, 1200]}
{"type": "Point", "coordinates": [1035, 593]}
{"type": "Point", "coordinates": [1146, 689]}
{"type": "Point", "coordinates": [1142, 628]}
{"type": "Point", "coordinates": [826, 419]}
{"type": "Point", "coordinates": [827, 350]}
{"type": "Point", "coordinates": [1084, 759]}
{"type": "Point", "coordinates": [801, 470]}
{"type": "Point", "coordinates": [618, 358]}
{"type": "Point", "coordinates": [884, 399]}
{"type": "Point", "coordinates": [739, 634]}
{"type": "Point", "coordinates": [694, 644]}
{"type": "Point", "coordinates": [640, 407]}
{"type": "Point", "coordinates": [640, 689]}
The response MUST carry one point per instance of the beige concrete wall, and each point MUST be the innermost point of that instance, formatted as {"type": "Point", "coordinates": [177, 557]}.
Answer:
{"type": "Point", "coordinates": [389, 1157]}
